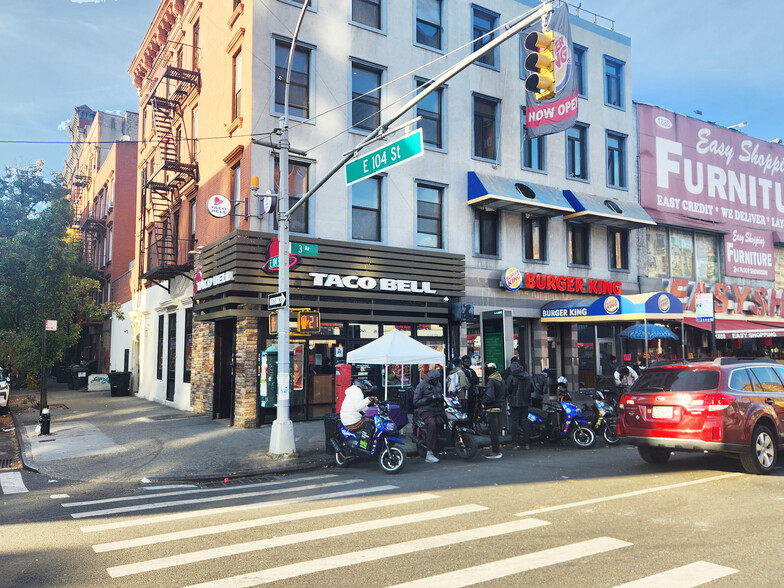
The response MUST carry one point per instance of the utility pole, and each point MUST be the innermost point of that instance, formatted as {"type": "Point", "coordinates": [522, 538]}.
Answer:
{"type": "Point", "coordinates": [282, 434]}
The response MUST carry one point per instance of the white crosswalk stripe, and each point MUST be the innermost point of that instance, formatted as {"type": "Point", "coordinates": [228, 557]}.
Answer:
{"type": "Point", "coordinates": [12, 483]}
{"type": "Point", "coordinates": [694, 574]}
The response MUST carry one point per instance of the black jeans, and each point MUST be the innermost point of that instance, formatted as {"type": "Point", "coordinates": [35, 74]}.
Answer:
{"type": "Point", "coordinates": [430, 416]}
{"type": "Point", "coordinates": [494, 423]}
{"type": "Point", "coordinates": [520, 430]}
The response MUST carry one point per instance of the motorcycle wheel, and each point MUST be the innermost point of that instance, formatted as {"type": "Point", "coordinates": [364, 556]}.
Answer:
{"type": "Point", "coordinates": [391, 459]}
{"type": "Point", "coordinates": [610, 434]}
{"type": "Point", "coordinates": [341, 460]}
{"type": "Point", "coordinates": [468, 448]}
{"type": "Point", "coordinates": [583, 437]}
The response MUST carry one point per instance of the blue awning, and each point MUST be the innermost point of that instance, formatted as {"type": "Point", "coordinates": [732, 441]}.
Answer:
{"type": "Point", "coordinates": [654, 306]}
{"type": "Point", "coordinates": [512, 195]}
{"type": "Point", "coordinates": [599, 210]}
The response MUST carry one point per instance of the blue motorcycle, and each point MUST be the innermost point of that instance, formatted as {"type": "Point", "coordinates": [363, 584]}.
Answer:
{"type": "Point", "coordinates": [561, 420]}
{"type": "Point", "coordinates": [384, 445]}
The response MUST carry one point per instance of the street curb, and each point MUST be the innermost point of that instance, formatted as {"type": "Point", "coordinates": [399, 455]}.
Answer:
{"type": "Point", "coordinates": [296, 467]}
{"type": "Point", "coordinates": [25, 464]}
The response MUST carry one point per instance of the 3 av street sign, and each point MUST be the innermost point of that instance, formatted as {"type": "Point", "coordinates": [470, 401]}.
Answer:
{"type": "Point", "coordinates": [303, 249]}
{"type": "Point", "coordinates": [276, 300]}
{"type": "Point", "coordinates": [382, 159]}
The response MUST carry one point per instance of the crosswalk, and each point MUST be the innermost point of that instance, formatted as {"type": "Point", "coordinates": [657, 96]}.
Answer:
{"type": "Point", "coordinates": [12, 483]}
{"type": "Point", "coordinates": [307, 528]}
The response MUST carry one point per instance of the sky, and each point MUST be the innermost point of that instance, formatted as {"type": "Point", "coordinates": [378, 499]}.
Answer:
{"type": "Point", "coordinates": [720, 57]}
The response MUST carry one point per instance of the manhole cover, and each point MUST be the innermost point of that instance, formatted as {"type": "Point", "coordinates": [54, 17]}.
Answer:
{"type": "Point", "coordinates": [6, 463]}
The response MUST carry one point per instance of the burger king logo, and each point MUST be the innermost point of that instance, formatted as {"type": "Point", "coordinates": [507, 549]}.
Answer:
{"type": "Point", "coordinates": [664, 303]}
{"type": "Point", "coordinates": [513, 279]}
{"type": "Point", "coordinates": [611, 305]}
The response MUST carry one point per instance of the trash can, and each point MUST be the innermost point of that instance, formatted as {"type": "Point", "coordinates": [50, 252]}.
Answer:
{"type": "Point", "coordinates": [120, 383]}
{"type": "Point", "coordinates": [78, 377]}
{"type": "Point", "coordinates": [331, 421]}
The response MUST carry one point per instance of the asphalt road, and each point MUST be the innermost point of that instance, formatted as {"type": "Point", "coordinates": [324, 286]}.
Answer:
{"type": "Point", "coordinates": [551, 516]}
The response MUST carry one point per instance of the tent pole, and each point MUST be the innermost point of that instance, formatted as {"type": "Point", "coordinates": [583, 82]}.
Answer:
{"type": "Point", "coordinates": [647, 360]}
{"type": "Point", "coordinates": [386, 381]}
{"type": "Point", "coordinates": [683, 340]}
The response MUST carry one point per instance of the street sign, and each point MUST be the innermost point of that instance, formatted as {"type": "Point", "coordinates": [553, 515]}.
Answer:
{"type": "Point", "coordinates": [303, 249]}
{"type": "Point", "coordinates": [704, 307]}
{"type": "Point", "coordinates": [384, 158]}
{"type": "Point", "coordinates": [276, 300]}
{"type": "Point", "coordinates": [51, 325]}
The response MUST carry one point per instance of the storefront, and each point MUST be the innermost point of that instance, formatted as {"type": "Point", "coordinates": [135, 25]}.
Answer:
{"type": "Point", "coordinates": [359, 291]}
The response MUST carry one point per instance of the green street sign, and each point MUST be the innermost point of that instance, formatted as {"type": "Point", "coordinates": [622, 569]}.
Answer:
{"type": "Point", "coordinates": [384, 158]}
{"type": "Point", "coordinates": [304, 249]}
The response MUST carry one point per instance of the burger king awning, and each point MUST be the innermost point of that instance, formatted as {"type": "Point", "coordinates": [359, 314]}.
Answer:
{"type": "Point", "coordinates": [512, 195]}
{"type": "Point", "coordinates": [654, 306]}
{"type": "Point", "coordinates": [739, 328]}
{"type": "Point", "coordinates": [599, 210]}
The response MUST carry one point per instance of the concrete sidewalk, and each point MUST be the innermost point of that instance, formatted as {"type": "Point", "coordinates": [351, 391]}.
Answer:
{"type": "Point", "coordinates": [97, 437]}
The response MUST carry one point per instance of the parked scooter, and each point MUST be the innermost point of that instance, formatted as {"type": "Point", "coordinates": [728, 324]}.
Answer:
{"type": "Point", "coordinates": [384, 445]}
{"type": "Point", "coordinates": [561, 420]}
{"type": "Point", "coordinates": [456, 433]}
{"type": "Point", "coordinates": [605, 420]}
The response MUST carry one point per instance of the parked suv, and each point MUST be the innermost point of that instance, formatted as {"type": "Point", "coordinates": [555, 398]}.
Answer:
{"type": "Point", "coordinates": [5, 392]}
{"type": "Point", "coordinates": [729, 405]}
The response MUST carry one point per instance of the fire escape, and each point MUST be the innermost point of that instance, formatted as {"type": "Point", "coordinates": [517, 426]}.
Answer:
{"type": "Point", "coordinates": [163, 180]}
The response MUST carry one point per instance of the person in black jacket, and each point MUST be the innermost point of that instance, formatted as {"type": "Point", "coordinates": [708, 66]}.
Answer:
{"type": "Point", "coordinates": [473, 391]}
{"type": "Point", "coordinates": [494, 401]}
{"type": "Point", "coordinates": [429, 405]}
{"type": "Point", "coordinates": [520, 387]}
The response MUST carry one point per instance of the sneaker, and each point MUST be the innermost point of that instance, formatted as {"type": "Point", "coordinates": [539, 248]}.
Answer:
{"type": "Point", "coordinates": [528, 447]}
{"type": "Point", "coordinates": [517, 447]}
{"type": "Point", "coordinates": [430, 458]}
{"type": "Point", "coordinates": [493, 455]}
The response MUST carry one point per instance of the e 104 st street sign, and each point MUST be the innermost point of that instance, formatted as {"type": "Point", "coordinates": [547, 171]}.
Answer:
{"type": "Point", "coordinates": [388, 156]}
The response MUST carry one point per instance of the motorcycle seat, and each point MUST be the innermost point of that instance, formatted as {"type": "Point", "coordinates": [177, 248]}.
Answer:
{"type": "Point", "coordinates": [542, 414]}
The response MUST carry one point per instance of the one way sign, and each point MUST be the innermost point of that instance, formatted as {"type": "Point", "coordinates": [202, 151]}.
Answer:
{"type": "Point", "coordinates": [276, 300]}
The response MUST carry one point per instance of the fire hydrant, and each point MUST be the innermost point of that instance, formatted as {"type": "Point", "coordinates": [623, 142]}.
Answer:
{"type": "Point", "coordinates": [44, 421]}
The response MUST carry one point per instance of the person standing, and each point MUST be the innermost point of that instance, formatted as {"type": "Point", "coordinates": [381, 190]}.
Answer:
{"type": "Point", "coordinates": [519, 386]}
{"type": "Point", "coordinates": [494, 401]}
{"type": "Point", "coordinates": [429, 404]}
{"type": "Point", "coordinates": [457, 383]}
{"type": "Point", "coordinates": [473, 391]}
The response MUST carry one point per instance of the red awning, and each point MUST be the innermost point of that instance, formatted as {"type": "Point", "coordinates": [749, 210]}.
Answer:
{"type": "Point", "coordinates": [739, 329]}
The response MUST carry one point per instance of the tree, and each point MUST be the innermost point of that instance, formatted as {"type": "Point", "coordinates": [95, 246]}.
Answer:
{"type": "Point", "coordinates": [40, 274]}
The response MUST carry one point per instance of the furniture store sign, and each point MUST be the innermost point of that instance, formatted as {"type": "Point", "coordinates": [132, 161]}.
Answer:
{"type": "Point", "coordinates": [708, 172]}
{"type": "Point", "coordinates": [749, 254]}
{"type": "Point", "coordinates": [370, 284]}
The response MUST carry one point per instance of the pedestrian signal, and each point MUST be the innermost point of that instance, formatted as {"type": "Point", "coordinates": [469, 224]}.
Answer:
{"type": "Point", "coordinates": [309, 322]}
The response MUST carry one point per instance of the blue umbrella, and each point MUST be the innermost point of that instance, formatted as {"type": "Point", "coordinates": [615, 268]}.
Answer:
{"type": "Point", "coordinates": [654, 332]}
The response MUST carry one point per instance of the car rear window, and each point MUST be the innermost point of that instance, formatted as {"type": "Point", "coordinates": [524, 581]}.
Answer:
{"type": "Point", "coordinates": [676, 380]}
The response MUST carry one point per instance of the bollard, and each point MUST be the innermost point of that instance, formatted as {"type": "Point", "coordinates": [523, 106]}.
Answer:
{"type": "Point", "coordinates": [44, 421]}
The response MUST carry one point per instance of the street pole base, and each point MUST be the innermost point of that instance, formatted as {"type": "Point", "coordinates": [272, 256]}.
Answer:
{"type": "Point", "coordinates": [282, 438]}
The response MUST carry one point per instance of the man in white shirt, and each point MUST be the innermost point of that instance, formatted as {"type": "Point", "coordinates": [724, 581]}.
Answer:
{"type": "Point", "coordinates": [352, 411]}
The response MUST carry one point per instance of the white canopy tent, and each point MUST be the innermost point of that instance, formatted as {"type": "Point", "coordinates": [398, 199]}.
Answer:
{"type": "Point", "coordinates": [395, 348]}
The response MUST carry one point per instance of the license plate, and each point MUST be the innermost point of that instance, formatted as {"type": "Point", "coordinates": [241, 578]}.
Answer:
{"type": "Point", "coordinates": [82, 375]}
{"type": "Point", "coordinates": [661, 412]}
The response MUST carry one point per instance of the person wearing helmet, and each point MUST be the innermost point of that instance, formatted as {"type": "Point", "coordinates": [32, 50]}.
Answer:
{"type": "Point", "coordinates": [429, 402]}
{"type": "Point", "coordinates": [494, 401]}
{"type": "Point", "coordinates": [352, 411]}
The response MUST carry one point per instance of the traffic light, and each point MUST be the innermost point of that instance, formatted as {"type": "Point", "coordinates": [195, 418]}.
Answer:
{"type": "Point", "coordinates": [541, 63]}
{"type": "Point", "coordinates": [309, 322]}
{"type": "Point", "coordinates": [273, 323]}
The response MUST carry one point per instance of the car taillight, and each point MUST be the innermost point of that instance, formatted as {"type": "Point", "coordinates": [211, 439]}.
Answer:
{"type": "Point", "coordinates": [720, 401]}
{"type": "Point", "coordinates": [626, 400]}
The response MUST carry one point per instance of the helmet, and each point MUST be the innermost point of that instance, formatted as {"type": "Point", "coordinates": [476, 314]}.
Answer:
{"type": "Point", "coordinates": [364, 385]}
{"type": "Point", "coordinates": [561, 380]}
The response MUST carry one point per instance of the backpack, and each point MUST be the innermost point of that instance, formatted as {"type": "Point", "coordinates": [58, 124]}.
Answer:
{"type": "Point", "coordinates": [453, 383]}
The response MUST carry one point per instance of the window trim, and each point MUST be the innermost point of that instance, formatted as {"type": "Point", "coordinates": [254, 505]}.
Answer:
{"type": "Point", "coordinates": [546, 258]}
{"type": "Point", "coordinates": [443, 216]}
{"type": "Point", "coordinates": [496, 65]}
{"type": "Point", "coordinates": [443, 116]}
{"type": "Point", "coordinates": [584, 50]}
{"type": "Point", "coordinates": [585, 154]}
{"type": "Point", "coordinates": [311, 49]}
{"type": "Point", "coordinates": [587, 228]}
{"type": "Point", "coordinates": [313, 7]}
{"type": "Point", "coordinates": [382, 18]}
{"type": "Point", "coordinates": [367, 65]}
{"type": "Point", "coordinates": [542, 141]}
{"type": "Point", "coordinates": [475, 236]}
{"type": "Point", "coordinates": [443, 26]}
{"type": "Point", "coordinates": [622, 138]}
{"type": "Point", "coordinates": [611, 245]}
{"type": "Point", "coordinates": [382, 236]}
{"type": "Point", "coordinates": [496, 131]}
{"type": "Point", "coordinates": [621, 82]}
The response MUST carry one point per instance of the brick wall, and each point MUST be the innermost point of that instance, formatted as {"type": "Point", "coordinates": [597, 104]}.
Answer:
{"type": "Point", "coordinates": [202, 366]}
{"type": "Point", "coordinates": [245, 371]}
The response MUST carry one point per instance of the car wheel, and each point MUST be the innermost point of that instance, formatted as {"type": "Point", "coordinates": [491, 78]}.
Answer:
{"type": "Point", "coordinates": [654, 455]}
{"type": "Point", "coordinates": [761, 456]}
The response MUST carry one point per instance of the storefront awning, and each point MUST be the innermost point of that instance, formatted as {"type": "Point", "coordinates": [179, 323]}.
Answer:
{"type": "Point", "coordinates": [655, 306]}
{"type": "Point", "coordinates": [680, 220]}
{"type": "Point", "coordinates": [599, 210]}
{"type": "Point", "coordinates": [512, 195]}
{"type": "Point", "coordinates": [739, 329]}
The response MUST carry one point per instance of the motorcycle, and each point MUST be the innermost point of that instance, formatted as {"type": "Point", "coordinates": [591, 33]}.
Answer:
{"type": "Point", "coordinates": [455, 433]}
{"type": "Point", "coordinates": [563, 419]}
{"type": "Point", "coordinates": [383, 445]}
{"type": "Point", "coordinates": [605, 419]}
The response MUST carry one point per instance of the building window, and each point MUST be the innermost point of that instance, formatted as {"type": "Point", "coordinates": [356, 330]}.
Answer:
{"type": "Point", "coordinates": [195, 54]}
{"type": "Point", "coordinates": [578, 243]}
{"type": "Point", "coordinates": [178, 144]}
{"type": "Point", "coordinates": [195, 134]}
{"type": "Point", "coordinates": [429, 216]}
{"type": "Point", "coordinates": [579, 69]}
{"type": "Point", "coordinates": [682, 254]}
{"type": "Point", "coordinates": [299, 89]}
{"type": "Point", "coordinates": [111, 234]}
{"type": "Point", "coordinates": [431, 109]}
{"type": "Point", "coordinates": [658, 252]}
{"type": "Point", "coordinates": [366, 13]}
{"type": "Point", "coordinates": [298, 186]}
{"type": "Point", "coordinates": [533, 150]}
{"type": "Point", "coordinates": [150, 242]}
{"type": "Point", "coordinates": [176, 236]}
{"type": "Point", "coordinates": [160, 348]}
{"type": "Point", "coordinates": [236, 84]}
{"type": "Point", "coordinates": [486, 232]}
{"type": "Point", "coordinates": [192, 241]}
{"type": "Point", "coordinates": [485, 128]}
{"type": "Point", "coordinates": [188, 351]}
{"type": "Point", "coordinates": [429, 27]}
{"type": "Point", "coordinates": [535, 238]}
{"type": "Point", "coordinates": [365, 97]}
{"type": "Point", "coordinates": [236, 190]}
{"type": "Point", "coordinates": [366, 210]}
{"type": "Point", "coordinates": [619, 248]}
{"type": "Point", "coordinates": [577, 152]}
{"type": "Point", "coordinates": [613, 82]}
{"type": "Point", "coordinates": [616, 160]}
{"type": "Point", "coordinates": [482, 23]}
{"type": "Point", "coordinates": [706, 255]}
